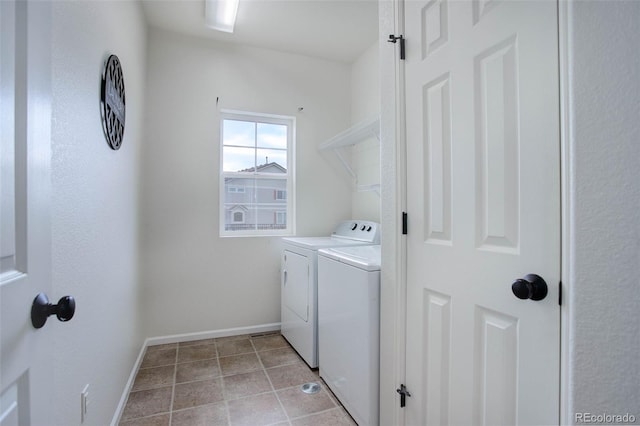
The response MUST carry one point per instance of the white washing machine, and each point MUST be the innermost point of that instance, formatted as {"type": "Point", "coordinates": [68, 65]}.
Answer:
{"type": "Point", "coordinates": [349, 328]}
{"type": "Point", "coordinates": [299, 282]}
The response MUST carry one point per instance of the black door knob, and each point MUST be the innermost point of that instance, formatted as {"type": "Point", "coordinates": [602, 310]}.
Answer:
{"type": "Point", "coordinates": [41, 309]}
{"type": "Point", "coordinates": [532, 287]}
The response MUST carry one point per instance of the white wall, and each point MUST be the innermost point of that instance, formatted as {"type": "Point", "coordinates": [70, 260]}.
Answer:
{"type": "Point", "coordinates": [365, 156]}
{"type": "Point", "coordinates": [193, 280]}
{"type": "Point", "coordinates": [95, 207]}
{"type": "Point", "coordinates": [604, 188]}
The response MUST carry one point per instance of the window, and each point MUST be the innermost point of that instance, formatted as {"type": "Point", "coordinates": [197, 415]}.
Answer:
{"type": "Point", "coordinates": [256, 178]}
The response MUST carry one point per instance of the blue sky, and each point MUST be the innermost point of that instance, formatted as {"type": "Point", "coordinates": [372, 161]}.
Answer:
{"type": "Point", "coordinates": [246, 143]}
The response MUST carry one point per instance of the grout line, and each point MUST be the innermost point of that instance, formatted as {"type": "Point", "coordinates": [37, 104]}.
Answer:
{"type": "Point", "coordinates": [215, 345]}
{"type": "Point", "coordinates": [250, 396]}
{"type": "Point", "coordinates": [224, 389]}
{"type": "Point", "coordinates": [241, 353]}
{"type": "Point", "coordinates": [226, 405]}
{"type": "Point", "coordinates": [290, 364]}
{"type": "Point", "coordinates": [318, 412]}
{"type": "Point", "coordinates": [173, 387]}
{"type": "Point", "coordinates": [148, 417]}
{"type": "Point", "coordinates": [285, 348]}
{"type": "Point", "coordinates": [197, 380]}
{"type": "Point", "coordinates": [264, 370]}
{"type": "Point", "coordinates": [336, 404]}
{"type": "Point", "coordinates": [195, 406]}
{"type": "Point", "coordinates": [155, 366]}
{"type": "Point", "coordinates": [265, 334]}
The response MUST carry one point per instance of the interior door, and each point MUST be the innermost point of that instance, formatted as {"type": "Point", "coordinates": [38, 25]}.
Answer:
{"type": "Point", "coordinates": [483, 199]}
{"type": "Point", "coordinates": [25, 270]}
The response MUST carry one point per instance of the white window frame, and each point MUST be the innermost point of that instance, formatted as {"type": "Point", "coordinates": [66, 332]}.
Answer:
{"type": "Point", "coordinates": [288, 121]}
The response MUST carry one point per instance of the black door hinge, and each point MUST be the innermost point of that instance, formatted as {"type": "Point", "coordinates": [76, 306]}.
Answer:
{"type": "Point", "coordinates": [394, 39]}
{"type": "Point", "coordinates": [404, 393]}
{"type": "Point", "coordinates": [404, 223]}
{"type": "Point", "coordinates": [560, 294]}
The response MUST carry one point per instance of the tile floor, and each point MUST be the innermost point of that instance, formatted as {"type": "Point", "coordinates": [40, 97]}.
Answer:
{"type": "Point", "coordinates": [239, 380]}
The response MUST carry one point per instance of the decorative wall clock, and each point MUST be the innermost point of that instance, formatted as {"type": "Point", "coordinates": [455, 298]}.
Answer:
{"type": "Point", "coordinates": [112, 102]}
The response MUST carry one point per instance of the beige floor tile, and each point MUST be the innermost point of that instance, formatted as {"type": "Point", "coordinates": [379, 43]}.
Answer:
{"type": "Point", "coordinates": [278, 357]}
{"type": "Point", "coordinates": [234, 347]}
{"type": "Point", "coordinates": [204, 415]}
{"type": "Point", "coordinates": [197, 370]}
{"type": "Point", "coordinates": [265, 343]}
{"type": "Point", "coordinates": [297, 403]}
{"type": "Point", "coordinates": [159, 420]}
{"type": "Point", "coordinates": [154, 377]}
{"type": "Point", "coordinates": [256, 410]}
{"type": "Point", "coordinates": [162, 347]}
{"type": "Point", "coordinates": [329, 392]}
{"type": "Point", "coordinates": [239, 364]}
{"type": "Point", "coordinates": [197, 342]}
{"type": "Point", "coordinates": [196, 353]}
{"type": "Point", "coordinates": [158, 357]}
{"type": "Point", "coordinates": [193, 394]}
{"type": "Point", "coordinates": [228, 338]}
{"type": "Point", "coordinates": [290, 375]}
{"type": "Point", "coordinates": [246, 384]}
{"type": "Point", "coordinates": [147, 403]}
{"type": "Point", "coordinates": [229, 379]}
{"type": "Point", "coordinates": [335, 417]}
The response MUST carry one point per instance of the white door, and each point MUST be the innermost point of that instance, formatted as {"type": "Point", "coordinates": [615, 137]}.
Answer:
{"type": "Point", "coordinates": [483, 199]}
{"type": "Point", "coordinates": [25, 250]}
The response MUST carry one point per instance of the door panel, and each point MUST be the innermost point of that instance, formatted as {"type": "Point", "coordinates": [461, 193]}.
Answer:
{"type": "Point", "coordinates": [25, 246]}
{"type": "Point", "coordinates": [495, 359]}
{"type": "Point", "coordinates": [497, 147]}
{"type": "Point", "coordinates": [437, 356]}
{"type": "Point", "coordinates": [437, 151]}
{"type": "Point", "coordinates": [483, 182]}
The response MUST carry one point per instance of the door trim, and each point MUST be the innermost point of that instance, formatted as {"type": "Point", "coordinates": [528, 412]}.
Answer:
{"type": "Point", "coordinates": [393, 288]}
{"type": "Point", "coordinates": [566, 204]}
{"type": "Point", "coordinates": [393, 202]}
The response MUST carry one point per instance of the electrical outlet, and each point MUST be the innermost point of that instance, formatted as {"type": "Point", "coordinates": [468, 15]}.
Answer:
{"type": "Point", "coordinates": [84, 403]}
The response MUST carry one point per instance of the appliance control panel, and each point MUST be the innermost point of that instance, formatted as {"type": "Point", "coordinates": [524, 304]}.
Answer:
{"type": "Point", "coordinates": [361, 230]}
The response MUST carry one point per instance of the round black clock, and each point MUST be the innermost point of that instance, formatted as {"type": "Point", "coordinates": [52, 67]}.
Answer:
{"type": "Point", "coordinates": [112, 102]}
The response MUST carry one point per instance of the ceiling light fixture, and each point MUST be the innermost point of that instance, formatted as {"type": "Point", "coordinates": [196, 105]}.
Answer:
{"type": "Point", "coordinates": [221, 14]}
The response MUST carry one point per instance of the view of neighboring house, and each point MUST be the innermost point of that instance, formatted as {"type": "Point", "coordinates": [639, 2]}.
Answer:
{"type": "Point", "coordinates": [256, 202]}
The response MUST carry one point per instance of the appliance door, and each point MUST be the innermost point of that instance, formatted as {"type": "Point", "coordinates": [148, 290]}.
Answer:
{"type": "Point", "coordinates": [296, 284]}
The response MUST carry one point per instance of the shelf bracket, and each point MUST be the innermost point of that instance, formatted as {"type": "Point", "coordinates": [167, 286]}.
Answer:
{"type": "Point", "coordinates": [346, 164]}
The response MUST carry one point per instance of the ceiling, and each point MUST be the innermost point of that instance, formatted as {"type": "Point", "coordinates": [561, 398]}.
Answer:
{"type": "Point", "coordinates": [338, 30]}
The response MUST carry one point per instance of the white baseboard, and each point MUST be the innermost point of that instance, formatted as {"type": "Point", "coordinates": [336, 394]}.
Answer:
{"type": "Point", "coordinates": [186, 337]}
{"type": "Point", "coordinates": [127, 387]}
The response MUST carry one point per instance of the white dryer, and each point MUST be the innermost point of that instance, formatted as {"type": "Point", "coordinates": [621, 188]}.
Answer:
{"type": "Point", "coordinates": [299, 282]}
{"type": "Point", "coordinates": [349, 328]}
